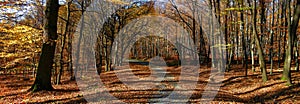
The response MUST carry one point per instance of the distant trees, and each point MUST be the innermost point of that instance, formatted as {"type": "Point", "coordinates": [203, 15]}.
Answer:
{"type": "Point", "coordinates": [271, 22]}
{"type": "Point", "coordinates": [149, 47]}
{"type": "Point", "coordinates": [253, 30]}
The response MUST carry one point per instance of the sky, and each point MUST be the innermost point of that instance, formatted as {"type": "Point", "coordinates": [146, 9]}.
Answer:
{"type": "Point", "coordinates": [21, 11]}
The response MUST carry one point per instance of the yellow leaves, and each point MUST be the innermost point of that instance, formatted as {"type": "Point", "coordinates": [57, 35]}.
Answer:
{"type": "Point", "coordinates": [19, 29]}
{"type": "Point", "coordinates": [223, 13]}
{"type": "Point", "coordinates": [20, 34]}
{"type": "Point", "coordinates": [8, 54]}
{"type": "Point", "coordinates": [22, 28]}
{"type": "Point", "coordinates": [223, 46]}
{"type": "Point", "coordinates": [120, 2]}
{"type": "Point", "coordinates": [239, 9]}
{"type": "Point", "coordinates": [25, 100]}
{"type": "Point", "coordinates": [17, 42]}
{"type": "Point", "coordinates": [13, 42]}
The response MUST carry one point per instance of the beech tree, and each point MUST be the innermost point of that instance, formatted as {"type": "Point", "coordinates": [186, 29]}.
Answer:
{"type": "Point", "coordinates": [43, 75]}
{"type": "Point", "coordinates": [292, 30]}
{"type": "Point", "coordinates": [258, 45]}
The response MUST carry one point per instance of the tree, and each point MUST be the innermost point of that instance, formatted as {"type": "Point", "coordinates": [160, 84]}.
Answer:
{"type": "Point", "coordinates": [272, 36]}
{"type": "Point", "coordinates": [43, 76]}
{"type": "Point", "coordinates": [259, 49]}
{"type": "Point", "coordinates": [292, 30]}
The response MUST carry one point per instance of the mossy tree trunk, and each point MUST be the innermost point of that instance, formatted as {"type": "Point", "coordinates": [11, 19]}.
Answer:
{"type": "Point", "coordinates": [43, 76]}
{"type": "Point", "coordinates": [292, 26]}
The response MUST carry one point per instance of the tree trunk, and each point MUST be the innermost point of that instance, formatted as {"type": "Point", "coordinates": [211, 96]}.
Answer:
{"type": "Point", "coordinates": [63, 42]}
{"type": "Point", "coordinates": [272, 35]}
{"type": "Point", "coordinates": [280, 34]}
{"type": "Point", "coordinates": [262, 25]}
{"type": "Point", "coordinates": [284, 24]}
{"type": "Point", "coordinates": [291, 36]}
{"type": "Point", "coordinates": [297, 55]}
{"type": "Point", "coordinates": [252, 54]}
{"type": "Point", "coordinates": [78, 47]}
{"type": "Point", "coordinates": [211, 27]}
{"type": "Point", "coordinates": [43, 76]}
{"type": "Point", "coordinates": [259, 49]}
{"type": "Point", "coordinates": [245, 58]}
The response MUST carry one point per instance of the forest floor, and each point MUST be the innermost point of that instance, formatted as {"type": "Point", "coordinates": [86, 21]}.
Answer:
{"type": "Point", "coordinates": [235, 88]}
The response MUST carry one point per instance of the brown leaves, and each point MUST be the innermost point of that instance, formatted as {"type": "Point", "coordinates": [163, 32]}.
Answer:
{"type": "Point", "coordinates": [236, 89]}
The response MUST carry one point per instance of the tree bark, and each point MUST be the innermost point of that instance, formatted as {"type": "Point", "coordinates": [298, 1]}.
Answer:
{"type": "Point", "coordinates": [43, 76]}
{"type": "Point", "coordinates": [272, 36]}
{"type": "Point", "coordinates": [259, 49]}
{"type": "Point", "coordinates": [245, 57]}
{"type": "Point", "coordinates": [291, 38]}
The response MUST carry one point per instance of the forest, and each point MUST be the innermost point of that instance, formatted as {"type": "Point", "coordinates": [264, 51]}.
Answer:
{"type": "Point", "coordinates": [149, 51]}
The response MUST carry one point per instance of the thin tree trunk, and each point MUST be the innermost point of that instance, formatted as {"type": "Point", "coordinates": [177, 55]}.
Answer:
{"type": "Point", "coordinates": [259, 49]}
{"type": "Point", "coordinates": [272, 35]}
{"type": "Point", "coordinates": [70, 66]}
{"type": "Point", "coordinates": [292, 26]}
{"type": "Point", "coordinates": [211, 27]}
{"type": "Point", "coordinates": [280, 35]}
{"type": "Point", "coordinates": [237, 39]}
{"type": "Point", "coordinates": [79, 40]}
{"type": "Point", "coordinates": [285, 25]}
{"type": "Point", "coordinates": [252, 53]}
{"type": "Point", "coordinates": [297, 55]}
{"type": "Point", "coordinates": [226, 36]}
{"type": "Point", "coordinates": [262, 25]}
{"type": "Point", "coordinates": [245, 58]}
